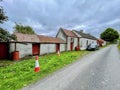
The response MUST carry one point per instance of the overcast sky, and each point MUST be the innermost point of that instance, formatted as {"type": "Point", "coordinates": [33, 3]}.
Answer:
{"type": "Point", "coordinates": [47, 16]}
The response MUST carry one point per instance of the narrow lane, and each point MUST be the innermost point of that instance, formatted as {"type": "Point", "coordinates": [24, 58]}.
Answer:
{"type": "Point", "coordinates": [97, 71]}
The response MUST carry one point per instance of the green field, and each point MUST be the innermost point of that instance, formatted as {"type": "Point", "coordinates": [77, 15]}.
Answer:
{"type": "Point", "coordinates": [20, 74]}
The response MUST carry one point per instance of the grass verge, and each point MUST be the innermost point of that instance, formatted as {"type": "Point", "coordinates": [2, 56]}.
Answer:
{"type": "Point", "coordinates": [22, 73]}
{"type": "Point", "coordinates": [119, 46]}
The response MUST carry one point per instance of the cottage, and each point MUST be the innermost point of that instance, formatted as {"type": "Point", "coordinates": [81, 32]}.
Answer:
{"type": "Point", "coordinates": [84, 39]}
{"type": "Point", "coordinates": [32, 44]}
{"type": "Point", "coordinates": [28, 44]}
{"type": "Point", "coordinates": [69, 37]}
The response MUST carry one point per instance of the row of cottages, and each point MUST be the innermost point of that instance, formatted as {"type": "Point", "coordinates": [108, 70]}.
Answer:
{"type": "Point", "coordinates": [28, 44]}
{"type": "Point", "coordinates": [32, 44]}
{"type": "Point", "coordinates": [75, 39]}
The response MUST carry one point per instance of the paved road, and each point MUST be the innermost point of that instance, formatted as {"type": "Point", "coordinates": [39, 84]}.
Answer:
{"type": "Point", "coordinates": [97, 71]}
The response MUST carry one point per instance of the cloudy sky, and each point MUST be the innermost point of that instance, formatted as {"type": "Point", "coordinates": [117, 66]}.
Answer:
{"type": "Point", "coordinates": [47, 16]}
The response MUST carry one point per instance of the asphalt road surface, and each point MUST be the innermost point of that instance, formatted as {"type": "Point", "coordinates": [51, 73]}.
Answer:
{"type": "Point", "coordinates": [99, 70]}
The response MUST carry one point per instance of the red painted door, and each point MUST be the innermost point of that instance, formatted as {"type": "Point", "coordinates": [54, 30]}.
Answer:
{"type": "Point", "coordinates": [57, 47]}
{"type": "Point", "coordinates": [71, 46]}
{"type": "Point", "coordinates": [4, 51]}
{"type": "Point", "coordinates": [36, 49]}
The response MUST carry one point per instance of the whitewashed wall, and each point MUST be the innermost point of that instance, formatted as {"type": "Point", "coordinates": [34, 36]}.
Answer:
{"type": "Point", "coordinates": [62, 47]}
{"type": "Point", "coordinates": [68, 43]}
{"type": "Point", "coordinates": [47, 48]}
{"type": "Point", "coordinates": [61, 35]}
{"type": "Point", "coordinates": [75, 43]}
{"type": "Point", "coordinates": [24, 49]}
{"type": "Point", "coordinates": [83, 43]}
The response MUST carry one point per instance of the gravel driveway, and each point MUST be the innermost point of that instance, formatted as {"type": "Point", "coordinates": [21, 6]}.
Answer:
{"type": "Point", "coordinates": [97, 71]}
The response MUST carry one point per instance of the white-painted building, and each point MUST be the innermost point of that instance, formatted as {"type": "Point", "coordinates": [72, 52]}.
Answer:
{"type": "Point", "coordinates": [28, 44]}
{"type": "Point", "coordinates": [32, 44]}
{"type": "Point", "coordinates": [69, 37]}
{"type": "Point", "coordinates": [84, 39]}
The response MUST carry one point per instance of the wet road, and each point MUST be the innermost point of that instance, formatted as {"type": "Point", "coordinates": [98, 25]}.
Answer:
{"type": "Point", "coordinates": [97, 71]}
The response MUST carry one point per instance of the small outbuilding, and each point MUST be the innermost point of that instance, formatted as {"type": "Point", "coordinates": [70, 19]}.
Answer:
{"type": "Point", "coordinates": [32, 44]}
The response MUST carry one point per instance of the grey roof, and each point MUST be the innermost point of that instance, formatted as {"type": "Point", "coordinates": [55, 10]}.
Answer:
{"type": "Point", "coordinates": [85, 35]}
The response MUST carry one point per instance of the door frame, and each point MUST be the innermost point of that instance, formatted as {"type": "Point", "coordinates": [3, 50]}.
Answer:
{"type": "Point", "coordinates": [57, 47]}
{"type": "Point", "coordinates": [36, 45]}
{"type": "Point", "coordinates": [7, 50]}
{"type": "Point", "coordinates": [71, 46]}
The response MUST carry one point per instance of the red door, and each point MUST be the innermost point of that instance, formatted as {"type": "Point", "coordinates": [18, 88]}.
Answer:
{"type": "Point", "coordinates": [57, 47]}
{"type": "Point", "coordinates": [36, 49]}
{"type": "Point", "coordinates": [71, 46]}
{"type": "Point", "coordinates": [4, 51]}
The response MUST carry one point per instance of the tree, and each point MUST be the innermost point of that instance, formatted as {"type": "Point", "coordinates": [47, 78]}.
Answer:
{"type": "Point", "coordinates": [109, 35]}
{"type": "Point", "coordinates": [3, 17]}
{"type": "Point", "coordinates": [23, 29]}
{"type": "Point", "coordinates": [6, 36]}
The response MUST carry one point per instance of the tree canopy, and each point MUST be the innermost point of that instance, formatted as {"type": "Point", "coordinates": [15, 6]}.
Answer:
{"type": "Point", "coordinates": [109, 35]}
{"type": "Point", "coordinates": [6, 36]}
{"type": "Point", "coordinates": [3, 17]}
{"type": "Point", "coordinates": [23, 29]}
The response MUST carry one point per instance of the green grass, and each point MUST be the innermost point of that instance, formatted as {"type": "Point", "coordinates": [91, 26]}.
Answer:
{"type": "Point", "coordinates": [4, 63]}
{"type": "Point", "coordinates": [119, 46]}
{"type": "Point", "coordinates": [20, 74]}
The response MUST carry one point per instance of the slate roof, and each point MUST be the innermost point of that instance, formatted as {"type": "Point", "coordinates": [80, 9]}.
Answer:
{"type": "Point", "coordinates": [84, 35]}
{"type": "Point", "coordinates": [68, 33]}
{"type": "Point", "coordinates": [37, 38]}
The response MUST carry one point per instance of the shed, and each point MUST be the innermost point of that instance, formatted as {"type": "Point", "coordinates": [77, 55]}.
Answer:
{"type": "Point", "coordinates": [33, 44]}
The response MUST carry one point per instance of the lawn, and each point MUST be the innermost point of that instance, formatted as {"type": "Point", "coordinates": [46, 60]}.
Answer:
{"type": "Point", "coordinates": [19, 74]}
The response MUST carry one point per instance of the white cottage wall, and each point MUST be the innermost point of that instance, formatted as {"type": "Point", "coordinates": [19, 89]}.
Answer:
{"type": "Point", "coordinates": [75, 43]}
{"type": "Point", "coordinates": [62, 47]}
{"type": "Point", "coordinates": [24, 49]}
{"type": "Point", "coordinates": [47, 48]}
{"type": "Point", "coordinates": [68, 43]}
{"type": "Point", "coordinates": [84, 42]}
{"type": "Point", "coordinates": [61, 35]}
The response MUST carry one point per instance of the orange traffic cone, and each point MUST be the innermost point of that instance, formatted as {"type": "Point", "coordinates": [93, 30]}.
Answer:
{"type": "Point", "coordinates": [58, 53]}
{"type": "Point", "coordinates": [37, 67]}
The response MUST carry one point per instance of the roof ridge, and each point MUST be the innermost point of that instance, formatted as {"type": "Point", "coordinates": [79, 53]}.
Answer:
{"type": "Point", "coordinates": [68, 32]}
{"type": "Point", "coordinates": [85, 35]}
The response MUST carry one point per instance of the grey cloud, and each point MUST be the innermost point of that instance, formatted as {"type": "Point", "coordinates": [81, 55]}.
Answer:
{"type": "Point", "coordinates": [47, 16]}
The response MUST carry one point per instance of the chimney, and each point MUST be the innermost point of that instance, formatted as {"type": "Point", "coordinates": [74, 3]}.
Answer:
{"type": "Point", "coordinates": [81, 30]}
{"type": "Point", "coordinates": [88, 33]}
